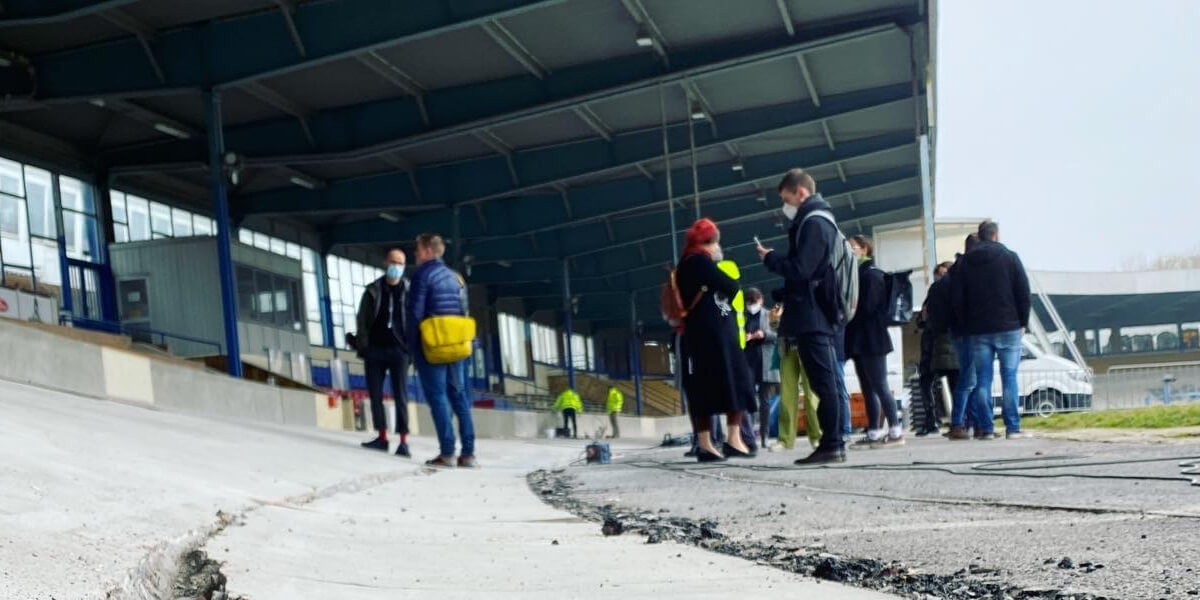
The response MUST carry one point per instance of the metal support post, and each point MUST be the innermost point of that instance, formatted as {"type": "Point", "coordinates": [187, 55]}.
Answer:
{"type": "Point", "coordinates": [692, 150]}
{"type": "Point", "coordinates": [662, 108]}
{"type": "Point", "coordinates": [927, 209]}
{"type": "Point", "coordinates": [635, 346]}
{"type": "Point", "coordinates": [567, 322]}
{"type": "Point", "coordinates": [216, 174]}
{"type": "Point", "coordinates": [68, 301]}
{"type": "Point", "coordinates": [325, 303]}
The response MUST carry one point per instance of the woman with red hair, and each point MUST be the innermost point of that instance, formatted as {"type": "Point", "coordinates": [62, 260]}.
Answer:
{"type": "Point", "coordinates": [716, 376]}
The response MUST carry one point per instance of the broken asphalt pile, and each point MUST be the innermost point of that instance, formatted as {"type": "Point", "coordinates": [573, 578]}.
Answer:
{"type": "Point", "coordinates": [972, 583]}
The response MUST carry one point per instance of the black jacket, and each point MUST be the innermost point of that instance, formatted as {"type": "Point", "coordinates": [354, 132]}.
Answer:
{"type": "Point", "coordinates": [716, 376]}
{"type": "Point", "coordinates": [867, 332]}
{"type": "Point", "coordinates": [808, 278]}
{"type": "Point", "coordinates": [369, 308]}
{"type": "Point", "coordinates": [989, 291]}
{"type": "Point", "coordinates": [937, 326]}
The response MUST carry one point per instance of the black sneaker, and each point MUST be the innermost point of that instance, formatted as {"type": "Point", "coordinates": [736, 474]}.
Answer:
{"type": "Point", "coordinates": [441, 462]}
{"type": "Point", "coordinates": [376, 444]}
{"type": "Point", "coordinates": [823, 457]}
{"type": "Point", "coordinates": [402, 450]}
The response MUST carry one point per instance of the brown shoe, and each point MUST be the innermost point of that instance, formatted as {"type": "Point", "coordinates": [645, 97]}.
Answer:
{"type": "Point", "coordinates": [467, 462]}
{"type": "Point", "coordinates": [441, 462]}
{"type": "Point", "coordinates": [987, 437]}
{"type": "Point", "coordinates": [958, 433]}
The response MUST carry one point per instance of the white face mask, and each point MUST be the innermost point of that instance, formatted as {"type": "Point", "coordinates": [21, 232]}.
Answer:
{"type": "Point", "coordinates": [790, 211]}
{"type": "Point", "coordinates": [755, 309]}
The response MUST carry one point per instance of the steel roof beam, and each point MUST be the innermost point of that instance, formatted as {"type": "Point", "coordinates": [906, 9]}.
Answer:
{"type": "Point", "coordinates": [48, 17]}
{"type": "Point", "coordinates": [630, 195]}
{"type": "Point", "coordinates": [233, 49]}
{"type": "Point", "coordinates": [262, 92]}
{"type": "Point", "coordinates": [141, 31]}
{"type": "Point", "coordinates": [397, 77]}
{"type": "Point", "coordinates": [786, 15]}
{"type": "Point", "coordinates": [642, 17]}
{"type": "Point", "coordinates": [808, 79]}
{"type": "Point", "coordinates": [148, 117]}
{"type": "Point", "coordinates": [545, 167]}
{"type": "Point", "coordinates": [288, 8]}
{"type": "Point", "coordinates": [591, 119]}
{"type": "Point", "coordinates": [510, 44]}
{"type": "Point", "coordinates": [464, 109]}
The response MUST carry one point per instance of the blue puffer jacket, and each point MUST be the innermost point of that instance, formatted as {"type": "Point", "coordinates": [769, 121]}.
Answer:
{"type": "Point", "coordinates": [436, 290]}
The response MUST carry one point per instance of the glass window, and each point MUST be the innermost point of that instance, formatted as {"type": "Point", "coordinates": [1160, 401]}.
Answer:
{"type": "Point", "coordinates": [139, 218]}
{"type": "Point", "coordinates": [121, 233]}
{"type": "Point", "coordinates": [278, 246]}
{"type": "Point", "coordinates": [14, 233]}
{"type": "Point", "coordinates": [160, 220]}
{"type": "Point", "coordinates": [262, 241]}
{"type": "Point", "coordinates": [264, 303]}
{"type": "Point", "coordinates": [245, 292]}
{"type": "Point", "coordinates": [245, 236]}
{"type": "Point", "coordinates": [316, 336]}
{"type": "Point", "coordinates": [40, 201]}
{"type": "Point", "coordinates": [82, 235]}
{"type": "Point", "coordinates": [1109, 345]}
{"type": "Point", "coordinates": [512, 345]}
{"type": "Point", "coordinates": [116, 201]}
{"type": "Point", "coordinates": [308, 260]}
{"type": "Point", "coordinates": [202, 226]}
{"type": "Point", "coordinates": [46, 266]}
{"type": "Point", "coordinates": [1152, 338]}
{"type": "Point", "coordinates": [76, 195]}
{"type": "Point", "coordinates": [294, 297]}
{"type": "Point", "coordinates": [1189, 339]}
{"type": "Point", "coordinates": [11, 181]}
{"type": "Point", "coordinates": [135, 302]}
{"type": "Point", "coordinates": [182, 220]}
{"type": "Point", "coordinates": [292, 251]}
{"type": "Point", "coordinates": [312, 312]}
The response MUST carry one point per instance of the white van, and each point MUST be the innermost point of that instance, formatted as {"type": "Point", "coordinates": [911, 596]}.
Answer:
{"type": "Point", "coordinates": [1047, 383]}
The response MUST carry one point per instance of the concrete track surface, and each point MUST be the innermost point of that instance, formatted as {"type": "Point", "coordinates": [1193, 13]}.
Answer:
{"type": "Point", "coordinates": [1125, 514]}
{"type": "Point", "coordinates": [98, 498]}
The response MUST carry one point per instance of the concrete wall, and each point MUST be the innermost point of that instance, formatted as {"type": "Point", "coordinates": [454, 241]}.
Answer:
{"type": "Point", "coordinates": [45, 358]}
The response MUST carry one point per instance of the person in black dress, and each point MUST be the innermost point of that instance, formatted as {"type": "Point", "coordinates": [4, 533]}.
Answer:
{"type": "Point", "coordinates": [716, 376]}
{"type": "Point", "coordinates": [868, 344]}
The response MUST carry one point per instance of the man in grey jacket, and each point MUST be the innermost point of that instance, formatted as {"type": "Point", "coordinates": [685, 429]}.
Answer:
{"type": "Point", "coordinates": [382, 342]}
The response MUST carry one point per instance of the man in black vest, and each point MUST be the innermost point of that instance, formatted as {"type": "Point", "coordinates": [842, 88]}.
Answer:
{"type": "Point", "coordinates": [382, 342]}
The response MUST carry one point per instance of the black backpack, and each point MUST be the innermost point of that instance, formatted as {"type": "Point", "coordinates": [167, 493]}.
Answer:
{"type": "Point", "coordinates": [900, 297]}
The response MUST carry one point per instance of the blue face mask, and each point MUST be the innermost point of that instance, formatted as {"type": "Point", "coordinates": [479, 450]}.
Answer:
{"type": "Point", "coordinates": [395, 272]}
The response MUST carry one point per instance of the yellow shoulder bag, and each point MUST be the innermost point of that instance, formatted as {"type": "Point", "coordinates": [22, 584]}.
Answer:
{"type": "Point", "coordinates": [447, 338]}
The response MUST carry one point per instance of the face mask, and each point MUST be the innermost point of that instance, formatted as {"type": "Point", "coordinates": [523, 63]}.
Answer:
{"type": "Point", "coordinates": [790, 211]}
{"type": "Point", "coordinates": [755, 309]}
{"type": "Point", "coordinates": [718, 255]}
{"type": "Point", "coordinates": [395, 272]}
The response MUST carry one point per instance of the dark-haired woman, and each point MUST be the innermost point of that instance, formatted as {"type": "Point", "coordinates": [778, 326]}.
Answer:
{"type": "Point", "coordinates": [868, 344]}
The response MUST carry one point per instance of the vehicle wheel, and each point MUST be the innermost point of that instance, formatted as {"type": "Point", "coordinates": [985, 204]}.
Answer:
{"type": "Point", "coordinates": [1044, 403]}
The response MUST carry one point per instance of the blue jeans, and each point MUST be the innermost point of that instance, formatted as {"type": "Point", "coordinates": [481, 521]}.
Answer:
{"type": "Point", "coordinates": [985, 349]}
{"type": "Point", "coordinates": [966, 383]}
{"type": "Point", "coordinates": [841, 377]}
{"type": "Point", "coordinates": [445, 388]}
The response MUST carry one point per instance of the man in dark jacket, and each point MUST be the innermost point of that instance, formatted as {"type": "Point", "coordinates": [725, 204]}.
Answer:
{"type": "Point", "coordinates": [938, 358]}
{"type": "Point", "coordinates": [961, 419]}
{"type": "Point", "coordinates": [382, 341]}
{"type": "Point", "coordinates": [808, 290]}
{"type": "Point", "coordinates": [436, 291]}
{"type": "Point", "coordinates": [991, 301]}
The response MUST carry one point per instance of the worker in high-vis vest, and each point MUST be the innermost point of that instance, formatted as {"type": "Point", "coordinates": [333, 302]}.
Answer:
{"type": "Point", "coordinates": [570, 404]}
{"type": "Point", "coordinates": [738, 304]}
{"type": "Point", "coordinates": [616, 402]}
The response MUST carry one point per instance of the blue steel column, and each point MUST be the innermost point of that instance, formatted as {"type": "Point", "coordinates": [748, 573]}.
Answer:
{"type": "Point", "coordinates": [635, 352]}
{"type": "Point", "coordinates": [567, 322]}
{"type": "Point", "coordinates": [216, 174]}
{"type": "Point", "coordinates": [321, 272]}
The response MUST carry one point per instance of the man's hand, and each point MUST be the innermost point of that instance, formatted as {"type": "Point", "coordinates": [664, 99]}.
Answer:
{"type": "Point", "coordinates": [757, 335]}
{"type": "Point", "coordinates": [763, 251]}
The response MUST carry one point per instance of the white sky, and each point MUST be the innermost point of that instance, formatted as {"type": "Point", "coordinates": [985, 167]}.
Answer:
{"type": "Point", "coordinates": [1075, 124]}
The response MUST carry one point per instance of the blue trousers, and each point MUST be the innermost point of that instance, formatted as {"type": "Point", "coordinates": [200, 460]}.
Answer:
{"type": "Point", "coordinates": [445, 388]}
{"type": "Point", "coordinates": [985, 350]}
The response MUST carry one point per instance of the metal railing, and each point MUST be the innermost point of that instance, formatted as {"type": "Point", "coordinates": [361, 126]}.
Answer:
{"type": "Point", "coordinates": [1138, 386]}
{"type": "Point", "coordinates": [141, 334]}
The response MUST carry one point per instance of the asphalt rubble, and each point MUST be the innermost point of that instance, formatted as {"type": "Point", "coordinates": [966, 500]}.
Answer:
{"type": "Point", "coordinates": [975, 582]}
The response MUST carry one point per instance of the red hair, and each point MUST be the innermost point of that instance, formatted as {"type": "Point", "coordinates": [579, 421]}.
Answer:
{"type": "Point", "coordinates": [704, 231]}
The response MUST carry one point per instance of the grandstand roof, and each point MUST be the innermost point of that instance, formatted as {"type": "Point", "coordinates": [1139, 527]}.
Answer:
{"type": "Point", "coordinates": [530, 132]}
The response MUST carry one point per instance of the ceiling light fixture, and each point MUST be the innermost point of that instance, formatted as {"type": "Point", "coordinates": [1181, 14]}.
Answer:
{"type": "Point", "coordinates": [643, 39]}
{"type": "Point", "coordinates": [389, 217]}
{"type": "Point", "coordinates": [303, 182]}
{"type": "Point", "coordinates": [171, 130]}
{"type": "Point", "coordinates": [698, 114]}
{"type": "Point", "coordinates": [738, 166]}
{"type": "Point", "coordinates": [97, 102]}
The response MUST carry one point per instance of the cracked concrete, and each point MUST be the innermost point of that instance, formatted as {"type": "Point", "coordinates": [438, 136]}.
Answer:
{"type": "Point", "coordinates": [99, 498]}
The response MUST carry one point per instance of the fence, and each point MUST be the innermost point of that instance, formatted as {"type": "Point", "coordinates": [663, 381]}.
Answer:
{"type": "Point", "coordinates": [179, 345]}
{"type": "Point", "coordinates": [1137, 386]}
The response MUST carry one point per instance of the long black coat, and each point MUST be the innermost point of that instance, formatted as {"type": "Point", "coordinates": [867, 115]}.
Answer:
{"type": "Point", "coordinates": [715, 374]}
{"type": "Point", "coordinates": [867, 332]}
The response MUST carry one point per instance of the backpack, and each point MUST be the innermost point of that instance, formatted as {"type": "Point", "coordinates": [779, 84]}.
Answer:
{"type": "Point", "coordinates": [674, 311]}
{"type": "Point", "coordinates": [845, 271]}
{"type": "Point", "coordinates": [899, 297]}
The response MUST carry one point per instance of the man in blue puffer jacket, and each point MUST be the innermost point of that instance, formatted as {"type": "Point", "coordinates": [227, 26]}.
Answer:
{"type": "Point", "coordinates": [437, 290]}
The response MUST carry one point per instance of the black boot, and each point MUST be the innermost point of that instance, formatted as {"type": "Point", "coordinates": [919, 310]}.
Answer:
{"type": "Point", "coordinates": [376, 444]}
{"type": "Point", "coordinates": [402, 450]}
{"type": "Point", "coordinates": [823, 457]}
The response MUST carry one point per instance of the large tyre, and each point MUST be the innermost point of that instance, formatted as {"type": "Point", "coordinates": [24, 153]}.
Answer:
{"type": "Point", "coordinates": [1044, 403]}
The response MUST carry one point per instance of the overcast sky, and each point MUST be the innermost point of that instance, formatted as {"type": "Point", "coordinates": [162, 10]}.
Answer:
{"type": "Point", "coordinates": [1074, 123]}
